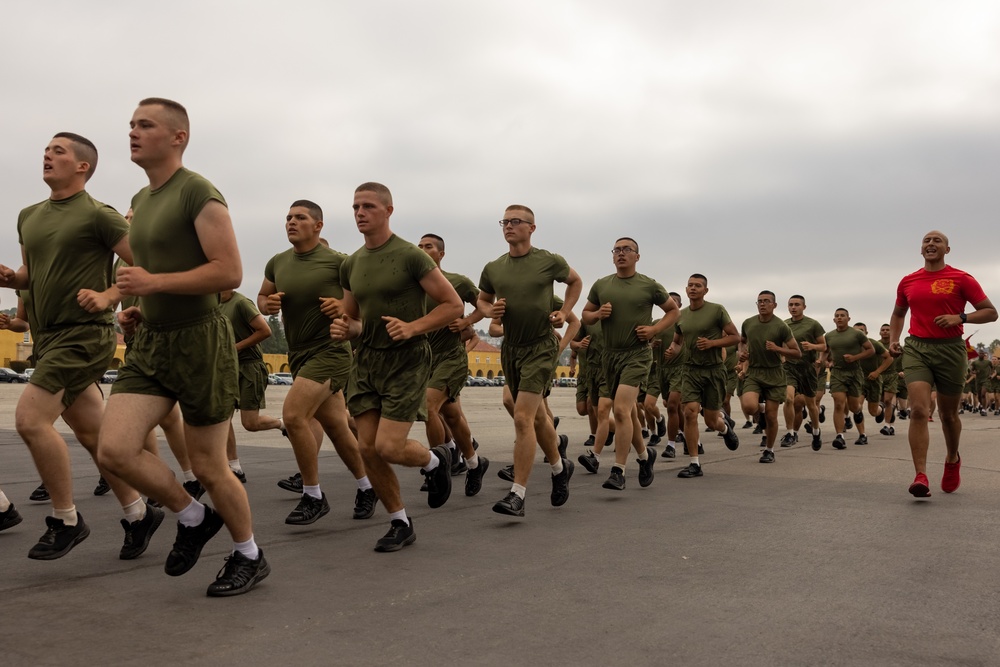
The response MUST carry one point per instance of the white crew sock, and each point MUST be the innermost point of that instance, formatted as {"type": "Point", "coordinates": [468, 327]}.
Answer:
{"type": "Point", "coordinates": [363, 483]}
{"type": "Point", "coordinates": [644, 455]}
{"type": "Point", "coordinates": [695, 460]}
{"type": "Point", "coordinates": [248, 548]}
{"type": "Point", "coordinates": [557, 468]}
{"type": "Point", "coordinates": [473, 463]}
{"type": "Point", "coordinates": [435, 461]}
{"type": "Point", "coordinates": [235, 466]}
{"type": "Point", "coordinates": [68, 515]}
{"type": "Point", "coordinates": [134, 511]}
{"type": "Point", "coordinates": [4, 503]}
{"type": "Point", "coordinates": [400, 515]}
{"type": "Point", "coordinates": [192, 515]}
{"type": "Point", "coordinates": [519, 490]}
{"type": "Point", "coordinates": [189, 476]}
{"type": "Point", "coordinates": [312, 491]}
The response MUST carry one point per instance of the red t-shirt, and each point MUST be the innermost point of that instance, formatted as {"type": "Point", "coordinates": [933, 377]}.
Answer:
{"type": "Point", "coordinates": [931, 293]}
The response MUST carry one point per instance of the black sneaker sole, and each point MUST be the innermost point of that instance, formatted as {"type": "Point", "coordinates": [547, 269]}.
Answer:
{"type": "Point", "coordinates": [157, 520]}
{"type": "Point", "coordinates": [265, 569]}
{"type": "Point", "coordinates": [184, 568]}
{"type": "Point", "coordinates": [396, 546]}
{"type": "Point", "coordinates": [503, 509]}
{"type": "Point", "coordinates": [308, 520]}
{"type": "Point", "coordinates": [476, 474]}
{"type": "Point", "coordinates": [83, 534]}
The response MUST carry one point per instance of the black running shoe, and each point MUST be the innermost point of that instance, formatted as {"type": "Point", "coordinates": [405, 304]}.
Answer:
{"type": "Point", "coordinates": [646, 468]}
{"type": "Point", "coordinates": [767, 456]}
{"type": "Point", "coordinates": [10, 518]}
{"type": "Point", "coordinates": [616, 480]}
{"type": "Point", "coordinates": [748, 424]}
{"type": "Point", "coordinates": [589, 462]}
{"type": "Point", "coordinates": [560, 484]}
{"type": "Point", "coordinates": [458, 465]}
{"type": "Point", "coordinates": [293, 483]}
{"type": "Point", "coordinates": [788, 439]}
{"type": "Point", "coordinates": [822, 414]}
{"type": "Point", "coordinates": [731, 439]}
{"type": "Point", "coordinates": [645, 433]}
{"type": "Point", "coordinates": [817, 442]}
{"type": "Point", "coordinates": [59, 538]}
{"type": "Point", "coordinates": [511, 505]}
{"type": "Point", "coordinates": [701, 449]}
{"type": "Point", "coordinates": [102, 487]}
{"type": "Point", "coordinates": [39, 495]}
{"type": "Point", "coordinates": [763, 441]}
{"type": "Point", "coordinates": [880, 417]}
{"type": "Point", "coordinates": [555, 423]}
{"type": "Point", "coordinates": [308, 511]}
{"type": "Point", "coordinates": [239, 575]}
{"type": "Point", "coordinates": [862, 440]}
{"type": "Point", "coordinates": [892, 430]}
{"type": "Point", "coordinates": [709, 429]}
{"type": "Point", "coordinates": [808, 427]}
{"type": "Point", "coordinates": [610, 440]}
{"type": "Point", "coordinates": [885, 430]}
{"type": "Point", "coordinates": [364, 503]}
{"type": "Point", "coordinates": [242, 476]}
{"type": "Point", "coordinates": [138, 533]}
{"type": "Point", "coordinates": [838, 442]}
{"type": "Point", "coordinates": [439, 479]}
{"type": "Point", "coordinates": [848, 424]}
{"type": "Point", "coordinates": [506, 473]}
{"type": "Point", "coordinates": [669, 452]}
{"type": "Point", "coordinates": [654, 440]}
{"type": "Point", "coordinates": [190, 541]}
{"type": "Point", "coordinates": [154, 503]}
{"type": "Point", "coordinates": [661, 427]}
{"type": "Point", "coordinates": [859, 417]}
{"type": "Point", "coordinates": [563, 445]}
{"type": "Point", "coordinates": [692, 470]}
{"type": "Point", "coordinates": [757, 430]}
{"type": "Point", "coordinates": [194, 489]}
{"type": "Point", "coordinates": [680, 438]}
{"type": "Point", "coordinates": [589, 442]}
{"type": "Point", "coordinates": [474, 477]}
{"type": "Point", "coordinates": [400, 535]}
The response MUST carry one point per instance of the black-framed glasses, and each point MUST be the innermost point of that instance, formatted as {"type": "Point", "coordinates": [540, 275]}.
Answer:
{"type": "Point", "coordinates": [513, 222]}
{"type": "Point", "coordinates": [763, 301]}
{"type": "Point", "coordinates": [622, 251]}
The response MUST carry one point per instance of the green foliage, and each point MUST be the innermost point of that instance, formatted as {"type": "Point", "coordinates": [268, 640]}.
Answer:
{"type": "Point", "coordinates": [276, 344]}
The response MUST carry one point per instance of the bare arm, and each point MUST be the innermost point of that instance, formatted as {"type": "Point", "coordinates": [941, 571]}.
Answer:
{"type": "Point", "coordinates": [261, 332]}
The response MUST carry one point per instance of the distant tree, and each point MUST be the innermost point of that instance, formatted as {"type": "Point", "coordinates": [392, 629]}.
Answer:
{"type": "Point", "coordinates": [276, 344]}
{"type": "Point", "coordinates": [995, 344]}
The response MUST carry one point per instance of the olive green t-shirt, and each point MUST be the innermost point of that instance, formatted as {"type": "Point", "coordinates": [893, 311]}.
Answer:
{"type": "Point", "coordinates": [386, 281]}
{"type": "Point", "coordinates": [665, 338]}
{"type": "Point", "coordinates": [732, 358]}
{"type": "Point", "coordinates": [164, 240]}
{"type": "Point", "coordinates": [444, 339]}
{"type": "Point", "coordinates": [304, 278]}
{"type": "Point", "coordinates": [526, 283]}
{"type": "Point", "coordinates": [241, 311]}
{"type": "Point", "coordinates": [983, 369]}
{"type": "Point", "coordinates": [68, 247]}
{"type": "Point", "coordinates": [593, 354]}
{"type": "Point", "coordinates": [839, 343]}
{"type": "Point", "coordinates": [873, 362]}
{"type": "Point", "coordinates": [806, 330]}
{"type": "Point", "coordinates": [706, 322]}
{"type": "Point", "coordinates": [632, 300]}
{"type": "Point", "coordinates": [757, 335]}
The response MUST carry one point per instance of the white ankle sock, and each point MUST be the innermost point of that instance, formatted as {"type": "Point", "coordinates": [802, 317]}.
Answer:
{"type": "Point", "coordinates": [312, 491]}
{"type": "Point", "coordinates": [695, 460]}
{"type": "Point", "coordinates": [557, 468]}
{"type": "Point", "coordinates": [519, 490]}
{"type": "Point", "coordinates": [192, 515]}
{"type": "Point", "coordinates": [4, 503]}
{"type": "Point", "coordinates": [400, 515]}
{"type": "Point", "coordinates": [189, 476]}
{"type": "Point", "coordinates": [473, 463]}
{"type": "Point", "coordinates": [235, 466]}
{"type": "Point", "coordinates": [364, 484]}
{"type": "Point", "coordinates": [248, 548]}
{"type": "Point", "coordinates": [435, 461]}
{"type": "Point", "coordinates": [134, 511]}
{"type": "Point", "coordinates": [68, 516]}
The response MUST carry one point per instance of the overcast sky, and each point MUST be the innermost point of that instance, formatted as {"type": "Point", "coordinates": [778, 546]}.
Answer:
{"type": "Point", "coordinates": [790, 145]}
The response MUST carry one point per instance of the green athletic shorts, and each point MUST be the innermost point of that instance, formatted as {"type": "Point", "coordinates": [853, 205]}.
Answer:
{"type": "Point", "coordinates": [803, 377]}
{"type": "Point", "coordinates": [937, 361]}
{"type": "Point", "coordinates": [253, 384]}
{"type": "Point", "coordinates": [449, 369]}
{"type": "Point", "coordinates": [330, 360]}
{"type": "Point", "coordinates": [653, 382]}
{"type": "Point", "coordinates": [192, 362]}
{"type": "Point", "coordinates": [625, 367]}
{"type": "Point", "coordinates": [872, 389]}
{"type": "Point", "coordinates": [766, 388]}
{"type": "Point", "coordinates": [530, 367]}
{"type": "Point", "coordinates": [890, 382]}
{"type": "Point", "coordinates": [582, 381]}
{"type": "Point", "coordinates": [846, 381]}
{"type": "Point", "coordinates": [72, 358]}
{"type": "Point", "coordinates": [705, 385]}
{"type": "Point", "coordinates": [901, 392]}
{"type": "Point", "coordinates": [732, 382]}
{"type": "Point", "coordinates": [392, 381]}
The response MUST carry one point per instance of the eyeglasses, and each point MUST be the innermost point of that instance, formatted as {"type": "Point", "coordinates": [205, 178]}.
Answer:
{"type": "Point", "coordinates": [622, 251]}
{"type": "Point", "coordinates": [763, 301]}
{"type": "Point", "coordinates": [513, 222]}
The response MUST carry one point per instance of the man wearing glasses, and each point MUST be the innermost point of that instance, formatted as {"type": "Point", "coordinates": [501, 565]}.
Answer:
{"type": "Point", "coordinates": [517, 289]}
{"type": "Point", "coordinates": [703, 330]}
{"type": "Point", "coordinates": [801, 375]}
{"type": "Point", "coordinates": [845, 348]}
{"type": "Point", "coordinates": [764, 340]}
{"type": "Point", "coordinates": [623, 304]}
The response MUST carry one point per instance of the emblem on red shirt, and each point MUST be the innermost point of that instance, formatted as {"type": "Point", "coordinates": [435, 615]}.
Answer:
{"type": "Point", "coordinates": [943, 286]}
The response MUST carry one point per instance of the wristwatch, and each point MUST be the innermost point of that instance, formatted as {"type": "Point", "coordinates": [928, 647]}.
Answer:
{"type": "Point", "coordinates": [964, 317]}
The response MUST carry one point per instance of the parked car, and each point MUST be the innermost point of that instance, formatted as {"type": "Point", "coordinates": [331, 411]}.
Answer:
{"type": "Point", "coordinates": [28, 372]}
{"type": "Point", "coordinates": [10, 376]}
{"type": "Point", "coordinates": [283, 378]}
{"type": "Point", "coordinates": [109, 377]}
{"type": "Point", "coordinates": [480, 382]}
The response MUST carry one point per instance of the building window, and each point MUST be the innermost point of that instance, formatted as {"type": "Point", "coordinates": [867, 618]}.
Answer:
{"type": "Point", "coordinates": [487, 360]}
{"type": "Point", "coordinates": [477, 360]}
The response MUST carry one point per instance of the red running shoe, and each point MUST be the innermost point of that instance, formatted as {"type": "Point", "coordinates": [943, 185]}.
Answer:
{"type": "Point", "coordinates": [952, 477]}
{"type": "Point", "coordinates": [920, 488]}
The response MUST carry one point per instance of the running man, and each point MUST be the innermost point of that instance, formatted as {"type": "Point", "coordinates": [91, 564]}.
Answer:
{"type": "Point", "coordinates": [845, 348]}
{"type": "Point", "coordinates": [764, 340]}
{"type": "Point", "coordinates": [185, 254]}
{"type": "Point", "coordinates": [297, 283]}
{"type": "Point", "coordinates": [872, 368]}
{"type": "Point", "coordinates": [67, 245]}
{"type": "Point", "coordinates": [622, 302]}
{"type": "Point", "coordinates": [449, 368]}
{"type": "Point", "coordinates": [934, 355]}
{"type": "Point", "coordinates": [385, 285]}
{"type": "Point", "coordinates": [890, 384]}
{"type": "Point", "coordinates": [801, 374]}
{"type": "Point", "coordinates": [517, 288]}
{"type": "Point", "coordinates": [703, 330]}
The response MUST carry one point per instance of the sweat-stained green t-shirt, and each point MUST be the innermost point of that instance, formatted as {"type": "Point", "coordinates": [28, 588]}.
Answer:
{"type": "Point", "coordinates": [304, 278]}
{"type": "Point", "coordinates": [839, 343]}
{"type": "Point", "coordinates": [706, 322]}
{"type": "Point", "coordinates": [873, 362]}
{"type": "Point", "coordinates": [164, 240]}
{"type": "Point", "coordinates": [526, 283]}
{"type": "Point", "coordinates": [806, 330]}
{"type": "Point", "coordinates": [68, 247]}
{"type": "Point", "coordinates": [444, 339]}
{"type": "Point", "coordinates": [241, 311]}
{"type": "Point", "coordinates": [632, 300]}
{"type": "Point", "coordinates": [386, 281]}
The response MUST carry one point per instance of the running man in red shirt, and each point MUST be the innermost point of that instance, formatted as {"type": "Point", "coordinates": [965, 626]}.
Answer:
{"type": "Point", "coordinates": [934, 355]}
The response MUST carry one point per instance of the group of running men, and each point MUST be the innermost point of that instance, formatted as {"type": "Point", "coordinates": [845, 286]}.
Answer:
{"type": "Point", "coordinates": [376, 342]}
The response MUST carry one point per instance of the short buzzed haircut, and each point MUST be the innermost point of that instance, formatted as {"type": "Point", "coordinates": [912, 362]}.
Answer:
{"type": "Point", "coordinates": [315, 212]}
{"type": "Point", "coordinates": [769, 293]}
{"type": "Point", "coordinates": [84, 150]}
{"type": "Point", "coordinates": [176, 112]}
{"type": "Point", "coordinates": [629, 238]}
{"type": "Point", "coordinates": [675, 294]}
{"type": "Point", "coordinates": [799, 297]}
{"type": "Point", "coordinates": [841, 309]}
{"type": "Point", "coordinates": [521, 207]}
{"type": "Point", "coordinates": [323, 242]}
{"type": "Point", "coordinates": [380, 191]}
{"type": "Point", "coordinates": [858, 325]}
{"type": "Point", "coordinates": [438, 241]}
{"type": "Point", "coordinates": [700, 277]}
